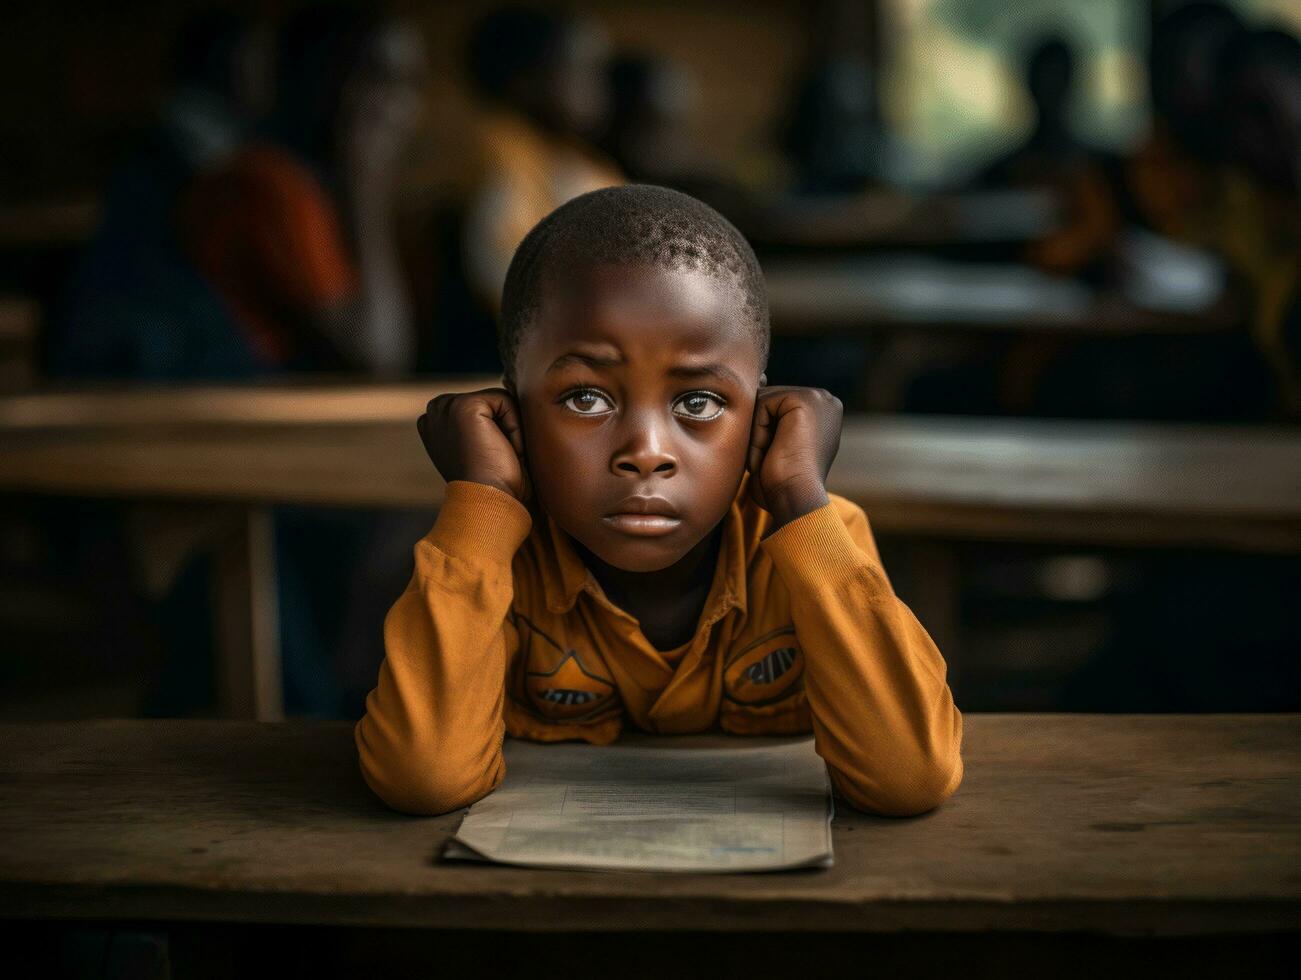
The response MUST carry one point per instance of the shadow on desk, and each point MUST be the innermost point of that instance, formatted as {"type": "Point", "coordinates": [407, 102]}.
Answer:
{"type": "Point", "coordinates": [319, 953]}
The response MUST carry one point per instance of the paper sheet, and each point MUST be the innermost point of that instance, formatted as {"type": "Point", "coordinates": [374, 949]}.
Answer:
{"type": "Point", "coordinates": [656, 804]}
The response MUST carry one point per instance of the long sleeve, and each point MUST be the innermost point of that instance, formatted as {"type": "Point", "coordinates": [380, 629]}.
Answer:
{"type": "Point", "coordinates": [883, 716]}
{"type": "Point", "coordinates": [430, 740]}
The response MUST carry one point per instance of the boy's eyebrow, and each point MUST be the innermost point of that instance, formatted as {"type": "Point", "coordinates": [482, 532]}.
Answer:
{"type": "Point", "coordinates": [716, 369]}
{"type": "Point", "coordinates": [591, 360]}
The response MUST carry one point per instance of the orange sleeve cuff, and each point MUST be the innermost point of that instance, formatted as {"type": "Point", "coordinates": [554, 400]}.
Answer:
{"type": "Point", "coordinates": [817, 549]}
{"type": "Point", "coordinates": [480, 523]}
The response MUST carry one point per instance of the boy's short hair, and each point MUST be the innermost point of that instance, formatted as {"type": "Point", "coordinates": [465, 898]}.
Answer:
{"type": "Point", "coordinates": [635, 223]}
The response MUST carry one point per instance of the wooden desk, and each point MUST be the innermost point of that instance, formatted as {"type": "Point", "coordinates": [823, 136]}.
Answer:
{"type": "Point", "coordinates": [1117, 483]}
{"type": "Point", "coordinates": [223, 444]}
{"type": "Point", "coordinates": [828, 297]}
{"type": "Point", "coordinates": [1167, 826]}
{"type": "Point", "coordinates": [1091, 483]}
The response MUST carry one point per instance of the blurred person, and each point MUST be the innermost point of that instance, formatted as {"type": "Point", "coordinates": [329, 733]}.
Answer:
{"type": "Point", "coordinates": [1054, 160]}
{"type": "Point", "coordinates": [1051, 146]}
{"type": "Point", "coordinates": [653, 100]}
{"type": "Point", "coordinates": [1170, 202]}
{"type": "Point", "coordinates": [224, 70]}
{"type": "Point", "coordinates": [542, 76]}
{"type": "Point", "coordinates": [1171, 182]}
{"type": "Point", "coordinates": [649, 132]}
{"type": "Point", "coordinates": [832, 136]}
{"type": "Point", "coordinates": [1261, 75]}
{"type": "Point", "coordinates": [987, 377]}
{"type": "Point", "coordinates": [135, 306]}
{"type": "Point", "coordinates": [296, 231]}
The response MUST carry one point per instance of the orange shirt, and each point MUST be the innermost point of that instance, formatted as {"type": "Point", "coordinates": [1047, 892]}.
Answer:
{"type": "Point", "coordinates": [503, 630]}
{"type": "Point", "coordinates": [265, 234]}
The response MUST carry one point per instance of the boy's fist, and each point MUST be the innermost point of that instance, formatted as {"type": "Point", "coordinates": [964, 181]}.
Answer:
{"type": "Point", "coordinates": [793, 440]}
{"type": "Point", "coordinates": [476, 436]}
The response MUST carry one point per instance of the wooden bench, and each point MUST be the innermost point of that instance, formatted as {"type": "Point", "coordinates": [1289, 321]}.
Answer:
{"type": "Point", "coordinates": [1084, 828]}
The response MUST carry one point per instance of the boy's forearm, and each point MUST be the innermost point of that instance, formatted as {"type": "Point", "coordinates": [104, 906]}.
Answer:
{"type": "Point", "coordinates": [883, 715]}
{"type": "Point", "coordinates": [430, 740]}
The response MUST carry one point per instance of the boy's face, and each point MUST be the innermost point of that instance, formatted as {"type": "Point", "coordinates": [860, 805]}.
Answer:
{"type": "Point", "coordinates": [636, 387]}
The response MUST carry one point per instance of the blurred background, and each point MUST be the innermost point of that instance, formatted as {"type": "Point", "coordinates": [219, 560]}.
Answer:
{"type": "Point", "coordinates": [1028, 230]}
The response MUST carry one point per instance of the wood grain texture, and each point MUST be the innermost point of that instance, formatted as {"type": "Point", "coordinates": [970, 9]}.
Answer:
{"type": "Point", "coordinates": [1023, 480]}
{"type": "Point", "coordinates": [1145, 825]}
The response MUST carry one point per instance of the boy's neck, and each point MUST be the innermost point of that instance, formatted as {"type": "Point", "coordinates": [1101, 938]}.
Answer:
{"type": "Point", "coordinates": [666, 603]}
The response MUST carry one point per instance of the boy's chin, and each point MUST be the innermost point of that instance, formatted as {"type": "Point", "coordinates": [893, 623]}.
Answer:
{"type": "Point", "coordinates": [639, 555]}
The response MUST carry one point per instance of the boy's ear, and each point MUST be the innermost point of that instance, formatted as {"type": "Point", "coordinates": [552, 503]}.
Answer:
{"type": "Point", "coordinates": [763, 380]}
{"type": "Point", "coordinates": [508, 383]}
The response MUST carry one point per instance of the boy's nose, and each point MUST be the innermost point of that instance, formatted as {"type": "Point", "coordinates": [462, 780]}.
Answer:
{"type": "Point", "coordinates": [645, 452]}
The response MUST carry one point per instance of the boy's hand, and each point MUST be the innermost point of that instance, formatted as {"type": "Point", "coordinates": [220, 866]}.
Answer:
{"type": "Point", "coordinates": [476, 436]}
{"type": "Point", "coordinates": [794, 438]}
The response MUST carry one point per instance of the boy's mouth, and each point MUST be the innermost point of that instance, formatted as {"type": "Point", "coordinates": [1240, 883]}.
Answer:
{"type": "Point", "coordinates": [643, 517]}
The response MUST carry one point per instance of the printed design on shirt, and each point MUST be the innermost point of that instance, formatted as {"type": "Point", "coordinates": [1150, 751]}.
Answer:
{"type": "Point", "coordinates": [558, 683]}
{"type": "Point", "coordinates": [766, 670]}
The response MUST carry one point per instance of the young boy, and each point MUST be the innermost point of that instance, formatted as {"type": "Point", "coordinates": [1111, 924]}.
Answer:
{"type": "Point", "coordinates": [637, 532]}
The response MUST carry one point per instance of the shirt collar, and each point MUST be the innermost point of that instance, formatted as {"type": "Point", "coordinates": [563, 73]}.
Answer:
{"type": "Point", "coordinates": [567, 575]}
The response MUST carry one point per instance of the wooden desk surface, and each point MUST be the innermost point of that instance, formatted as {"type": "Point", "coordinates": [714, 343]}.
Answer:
{"type": "Point", "coordinates": [1120, 824]}
{"type": "Point", "coordinates": [1024, 480]}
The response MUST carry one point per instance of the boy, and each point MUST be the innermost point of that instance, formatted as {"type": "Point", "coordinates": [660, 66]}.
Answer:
{"type": "Point", "coordinates": [637, 532]}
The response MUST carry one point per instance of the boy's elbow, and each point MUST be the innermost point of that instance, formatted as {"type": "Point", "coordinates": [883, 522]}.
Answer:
{"type": "Point", "coordinates": [421, 787]}
{"type": "Point", "coordinates": [422, 795]}
{"type": "Point", "coordinates": [908, 792]}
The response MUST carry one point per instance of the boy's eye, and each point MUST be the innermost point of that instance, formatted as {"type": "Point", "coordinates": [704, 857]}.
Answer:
{"type": "Point", "coordinates": [588, 401]}
{"type": "Point", "coordinates": [698, 405]}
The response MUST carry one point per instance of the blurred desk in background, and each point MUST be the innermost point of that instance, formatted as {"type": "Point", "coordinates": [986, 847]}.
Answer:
{"type": "Point", "coordinates": [974, 478]}
{"type": "Point", "coordinates": [1178, 832]}
{"type": "Point", "coordinates": [837, 296]}
{"type": "Point", "coordinates": [890, 218]}
{"type": "Point", "coordinates": [930, 477]}
{"type": "Point", "coordinates": [226, 453]}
